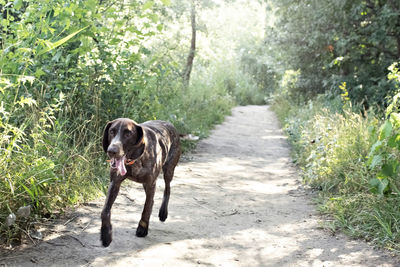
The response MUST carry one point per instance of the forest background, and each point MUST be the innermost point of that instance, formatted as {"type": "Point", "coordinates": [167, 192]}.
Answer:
{"type": "Point", "coordinates": [328, 69]}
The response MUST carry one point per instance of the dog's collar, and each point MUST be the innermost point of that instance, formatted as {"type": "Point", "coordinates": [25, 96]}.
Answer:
{"type": "Point", "coordinates": [127, 161]}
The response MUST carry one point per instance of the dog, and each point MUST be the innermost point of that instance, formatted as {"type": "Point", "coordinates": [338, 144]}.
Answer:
{"type": "Point", "coordinates": [139, 152]}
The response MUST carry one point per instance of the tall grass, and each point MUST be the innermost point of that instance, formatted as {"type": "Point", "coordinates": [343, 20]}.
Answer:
{"type": "Point", "coordinates": [331, 145]}
{"type": "Point", "coordinates": [63, 77]}
{"type": "Point", "coordinates": [51, 152]}
{"type": "Point", "coordinates": [42, 169]}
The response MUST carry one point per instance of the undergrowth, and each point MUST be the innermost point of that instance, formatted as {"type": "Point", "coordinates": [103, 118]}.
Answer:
{"type": "Point", "coordinates": [335, 147]}
{"type": "Point", "coordinates": [66, 69]}
{"type": "Point", "coordinates": [50, 162]}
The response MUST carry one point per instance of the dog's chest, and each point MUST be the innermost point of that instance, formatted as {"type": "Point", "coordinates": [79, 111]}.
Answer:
{"type": "Point", "coordinates": [144, 170]}
{"type": "Point", "coordinates": [149, 166]}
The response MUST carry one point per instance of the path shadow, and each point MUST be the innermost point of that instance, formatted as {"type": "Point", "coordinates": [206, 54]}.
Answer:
{"type": "Point", "coordinates": [238, 202]}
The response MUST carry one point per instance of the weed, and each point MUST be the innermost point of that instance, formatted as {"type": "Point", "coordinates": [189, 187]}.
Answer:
{"type": "Point", "coordinates": [335, 148]}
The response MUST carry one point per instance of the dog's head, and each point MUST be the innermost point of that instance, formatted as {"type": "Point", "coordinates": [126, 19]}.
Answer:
{"type": "Point", "coordinates": [123, 141]}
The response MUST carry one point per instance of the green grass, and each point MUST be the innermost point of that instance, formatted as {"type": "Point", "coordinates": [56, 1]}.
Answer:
{"type": "Point", "coordinates": [51, 161]}
{"type": "Point", "coordinates": [331, 146]}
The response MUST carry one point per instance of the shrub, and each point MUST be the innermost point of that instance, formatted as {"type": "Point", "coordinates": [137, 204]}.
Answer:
{"type": "Point", "coordinates": [332, 146]}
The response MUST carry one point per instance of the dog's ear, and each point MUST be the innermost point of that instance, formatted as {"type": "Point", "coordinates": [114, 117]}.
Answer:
{"type": "Point", "coordinates": [105, 136]}
{"type": "Point", "coordinates": [139, 135]}
{"type": "Point", "coordinates": [139, 146]}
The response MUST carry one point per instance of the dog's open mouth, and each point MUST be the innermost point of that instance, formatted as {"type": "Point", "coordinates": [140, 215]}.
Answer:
{"type": "Point", "coordinates": [118, 164]}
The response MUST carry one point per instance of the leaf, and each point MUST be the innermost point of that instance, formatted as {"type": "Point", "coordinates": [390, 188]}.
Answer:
{"type": "Point", "coordinates": [375, 147]}
{"type": "Point", "coordinates": [148, 5]}
{"type": "Point", "coordinates": [392, 141]}
{"type": "Point", "coordinates": [30, 193]}
{"type": "Point", "coordinates": [166, 2]}
{"type": "Point", "coordinates": [395, 119]}
{"type": "Point", "coordinates": [392, 105]}
{"type": "Point", "coordinates": [26, 101]}
{"type": "Point", "coordinates": [385, 130]}
{"type": "Point", "coordinates": [154, 18]}
{"type": "Point", "coordinates": [397, 140]}
{"type": "Point", "coordinates": [376, 160]}
{"type": "Point", "coordinates": [17, 4]}
{"type": "Point", "coordinates": [378, 185]}
{"type": "Point", "coordinates": [25, 78]}
{"type": "Point", "coordinates": [57, 56]}
{"type": "Point", "coordinates": [383, 186]}
{"type": "Point", "coordinates": [388, 169]}
{"type": "Point", "coordinates": [38, 73]}
{"type": "Point", "coordinates": [60, 42]}
{"type": "Point", "coordinates": [4, 84]}
{"type": "Point", "coordinates": [374, 183]}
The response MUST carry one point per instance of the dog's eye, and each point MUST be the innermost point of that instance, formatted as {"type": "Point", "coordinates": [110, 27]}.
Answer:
{"type": "Point", "coordinates": [112, 132]}
{"type": "Point", "coordinates": [127, 133]}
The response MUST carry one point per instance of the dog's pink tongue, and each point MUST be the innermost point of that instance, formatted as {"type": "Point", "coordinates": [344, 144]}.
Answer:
{"type": "Point", "coordinates": [121, 166]}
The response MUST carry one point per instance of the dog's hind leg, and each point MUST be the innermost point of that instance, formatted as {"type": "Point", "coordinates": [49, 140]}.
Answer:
{"type": "Point", "coordinates": [168, 170]}
{"type": "Point", "coordinates": [168, 174]}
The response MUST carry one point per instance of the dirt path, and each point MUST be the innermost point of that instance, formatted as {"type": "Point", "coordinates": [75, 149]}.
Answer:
{"type": "Point", "coordinates": [236, 201]}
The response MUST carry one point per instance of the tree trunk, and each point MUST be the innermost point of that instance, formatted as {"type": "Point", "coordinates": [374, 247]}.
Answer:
{"type": "Point", "coordinates": [190, 58]}
{"type": "Point", "coordinates": [398, 48]}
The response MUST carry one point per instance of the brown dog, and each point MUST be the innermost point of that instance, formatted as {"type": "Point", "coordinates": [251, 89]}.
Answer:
{"type": "Point", "coordinates": [139, 152]}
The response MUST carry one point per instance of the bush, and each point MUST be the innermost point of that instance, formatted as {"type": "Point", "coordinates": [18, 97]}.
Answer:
{"type": "Point", "coordinates": [332, 147]}
{"type": "Point", "coordinates": [63, 77]}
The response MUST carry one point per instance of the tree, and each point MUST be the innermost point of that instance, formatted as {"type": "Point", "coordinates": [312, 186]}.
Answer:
{"type": "Point", "coordinates": [190, 58]}
{"type": "Point", "coordinates": [331, 42]}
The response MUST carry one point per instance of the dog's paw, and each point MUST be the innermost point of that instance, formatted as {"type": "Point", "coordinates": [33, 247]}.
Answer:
{"type": "Point", "coordinates": [163, 214]}
{"type": "Point", "coordinates": [106, 235]}
{"type": "Point", "coordinates": [142, 229]}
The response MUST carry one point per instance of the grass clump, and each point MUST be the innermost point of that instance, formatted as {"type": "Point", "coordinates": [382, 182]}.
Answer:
{"type": "Point", "coordinates": [51, 162]}
{"type": "Point", "coordinates": [332, 146]}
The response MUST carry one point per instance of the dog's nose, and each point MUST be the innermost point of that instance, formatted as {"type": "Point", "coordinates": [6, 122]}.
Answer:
{"type": "Point", "coordinates": [112, 151]}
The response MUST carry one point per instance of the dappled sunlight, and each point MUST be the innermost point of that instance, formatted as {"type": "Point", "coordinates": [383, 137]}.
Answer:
{"type": "Point", "coordinates": [280, 248]}
{"type": "Point", "coordinates": [211, 68]}
{"type": "Point", "coordinates": [238, 206]}
{"type": "Point", "coordinates": [273, 134]}
{"type": "Point", "coordinates": [258, 187]}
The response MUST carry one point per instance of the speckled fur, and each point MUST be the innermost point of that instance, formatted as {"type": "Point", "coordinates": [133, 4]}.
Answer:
{"type": "Point", "coordinates": [155, 146]}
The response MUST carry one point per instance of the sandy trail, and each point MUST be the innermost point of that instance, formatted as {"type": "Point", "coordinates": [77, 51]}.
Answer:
{"type": "Point", "coordinates": [236, 201]}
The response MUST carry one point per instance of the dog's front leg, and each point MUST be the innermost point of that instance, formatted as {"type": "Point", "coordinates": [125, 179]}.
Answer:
{"type": "Point", "coordinates": [143, 226]}
{"type": "Point", "coordinates": [106, 229]}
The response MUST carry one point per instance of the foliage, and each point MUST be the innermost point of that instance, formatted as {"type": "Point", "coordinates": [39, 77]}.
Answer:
{"type": "Point", "coordinates": [385, 152]}
{"type": "Point", "coordinates": [69, 66]}
{"type": "Point", "coordinates": [331, 61]}
{"type": "Point", "coordinates": [330, 42]}
{"type": "Point", "coordinates": [352, 158]}
{"type": "Point", "coordinates": [56, 77]}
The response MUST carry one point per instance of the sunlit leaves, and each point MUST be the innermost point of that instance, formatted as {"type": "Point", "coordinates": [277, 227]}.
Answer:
{"type": "Point", "coordinates": [383, 155]}
{"type": "Point", "coordinates": [394, 72]}
{"type": "Point", "coordinates": [26, 101]}
{"type": "Point", "coordinates": [378, 186]}
{"type": "Point", "coordinates": [26, 78]}
{"type": "Point", "coordinates": [166, 2]}
{"type": "Point", "coordinates": [385, 130]}
{"type": "Point", "coordinates": [51, 45]}
{"type": "Point", "coordinates": [148, 5]}
{"type": "Point", "coordinates": [4, 84]}
{"type": "Point", "coordinates": [345, 93]}
{"type": "Point", "coordinates": [363, 38]}
{"type": "Point", "coordinates": [18, 4]}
